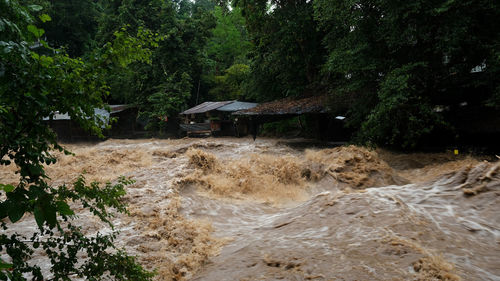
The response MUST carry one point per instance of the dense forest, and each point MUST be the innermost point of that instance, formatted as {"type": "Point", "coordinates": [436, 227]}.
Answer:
{"type": "Point", "coordinates": [401, 71]}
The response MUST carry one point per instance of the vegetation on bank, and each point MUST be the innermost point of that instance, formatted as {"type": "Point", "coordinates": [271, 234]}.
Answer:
{"type": "Point", "coordinates": [399, 71]}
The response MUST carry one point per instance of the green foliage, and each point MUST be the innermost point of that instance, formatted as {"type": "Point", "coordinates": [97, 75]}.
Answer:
{"type": "Point", "coordinates": [375, 58]}
{"type": "Point", "coordinates": [126, 49]}
{"type": "Point", "coordinates": [400, 60]}
{"type": "Point", "coordinates": [72, 24]}
{"type": "Point", "coordinates": [230, 86]}
{"type": "Point", "coordinates": [283, 127]}
{"type": "Point", "coordinates": [287, 52]}
{"type": "Point", "coordinates": [228, 44]}
{"type": "Point", "coordinates": [176, 64]}
{"type": "Point", "coordinates": [402, 116]}
{"type": "Point", "coordinates": [34, 85]}
{"type": "Point", "coordinates": [171, 95]}
{"type": "Point", "coordinates": [193, 38]}
{"type": "Point", "coordinates": [63, 243]}
{"type": "Point", "coordinates": [225, 67]}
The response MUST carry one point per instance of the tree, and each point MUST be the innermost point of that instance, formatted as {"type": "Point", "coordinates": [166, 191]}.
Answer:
{"type": "Point", "coordinates": [226, 69]}
{"type": "Point", "coordinates": [177, 63]}
{"type": "Point", "coordinates": [287, 53]}
{"type": "Point", "coordinates": [34, 85]}
{"type": "Point", "coordinates": [228, 44]}
{"type": "Point", "coordinates": [230, 86]}
{"type": "Point", "coordinates": [171, 95]}
{"type": "Point", "coordinates": [401, 60]}
{"type": "Point", "coordinates": [73, 25]}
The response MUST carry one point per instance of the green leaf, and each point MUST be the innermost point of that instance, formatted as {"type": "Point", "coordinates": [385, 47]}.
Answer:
{"type": "Point", "coordinates": [3, 210]}
{"type": "Point", "coordinates": [7, 187]}
{"type": "Point", "coordinates": [38, 32]}
{"type": "Point", "coordinates": [39, 216]}
{"type": "Point", "coordinates": [35, 170]}
{"type": "Point", "coordinates": [46, 61]}
{"type": "Point", "coordinates": [64, 208]}
{"type": "Point", "coordinates": [15, 212]}
{"type": "Point", "coordinates": [50, 215]}
{"type": "Point", "coordinates": [33, 29]}
{"type": "Point", "coordinates": [45, 211]}
{"type": "Point", "coordinates": [4, 265]}
{"type": "Point", "coordinates": [45, 18]}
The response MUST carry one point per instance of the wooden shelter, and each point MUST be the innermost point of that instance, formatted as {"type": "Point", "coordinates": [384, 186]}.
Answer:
{"type": "Point", "coordinates": [212, 118]}
{"type": "Point", "coordinates": [315, 109]}
{"type": "Point", "coordinates": [126, 125]}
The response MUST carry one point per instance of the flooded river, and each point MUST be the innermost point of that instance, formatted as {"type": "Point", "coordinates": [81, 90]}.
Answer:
{"type": "Point", "coordinates": [235, 209]}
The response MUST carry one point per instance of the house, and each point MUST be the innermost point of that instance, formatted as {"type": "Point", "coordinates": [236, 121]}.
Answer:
{"type": "Point", "coordinates": [213, 118]}
{"type": "Point", "coordinates": [68, 130]}
{"type": "Point", "coordinates": [314, 109]}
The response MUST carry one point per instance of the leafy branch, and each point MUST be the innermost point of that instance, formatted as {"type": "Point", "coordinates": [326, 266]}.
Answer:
{"type": "Point", "coordinates": [35, 84]}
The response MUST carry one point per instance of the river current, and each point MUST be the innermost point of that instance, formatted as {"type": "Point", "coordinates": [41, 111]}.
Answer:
{"type": "Point", "coordinates": [235, 209]}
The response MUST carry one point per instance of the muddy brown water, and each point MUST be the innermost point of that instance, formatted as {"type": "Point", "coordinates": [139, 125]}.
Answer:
{"type": "Point", "coordinates": [235, 209]}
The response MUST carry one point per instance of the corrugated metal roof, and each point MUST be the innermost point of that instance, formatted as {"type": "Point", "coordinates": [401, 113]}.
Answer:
{"type": "Point", "coordinates": [206, 106]}
{"type": "Point", "coordinates": [315, 104]}
{"type": "Point", "coordinates": [237, 105]}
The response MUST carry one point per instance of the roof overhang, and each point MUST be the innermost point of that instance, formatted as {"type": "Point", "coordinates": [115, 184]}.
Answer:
{"type": "Point", "coordinates": [205, 107]}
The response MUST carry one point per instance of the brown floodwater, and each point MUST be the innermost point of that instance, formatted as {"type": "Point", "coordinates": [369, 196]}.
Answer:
{"type": "Point", "coordinates": [235, 209]}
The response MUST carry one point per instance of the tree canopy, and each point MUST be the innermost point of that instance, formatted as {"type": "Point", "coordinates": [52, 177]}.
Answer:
{"type": "Point", "coordinates": [287, 53]}
{"type": "Point", "coordinates": [399, 70]}
{"type": "Point", "coordinates": [403, 60]}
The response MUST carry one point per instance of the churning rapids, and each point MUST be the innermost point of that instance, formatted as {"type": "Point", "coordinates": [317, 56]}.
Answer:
{"type": "Point", "coordinates": [234, 209]}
